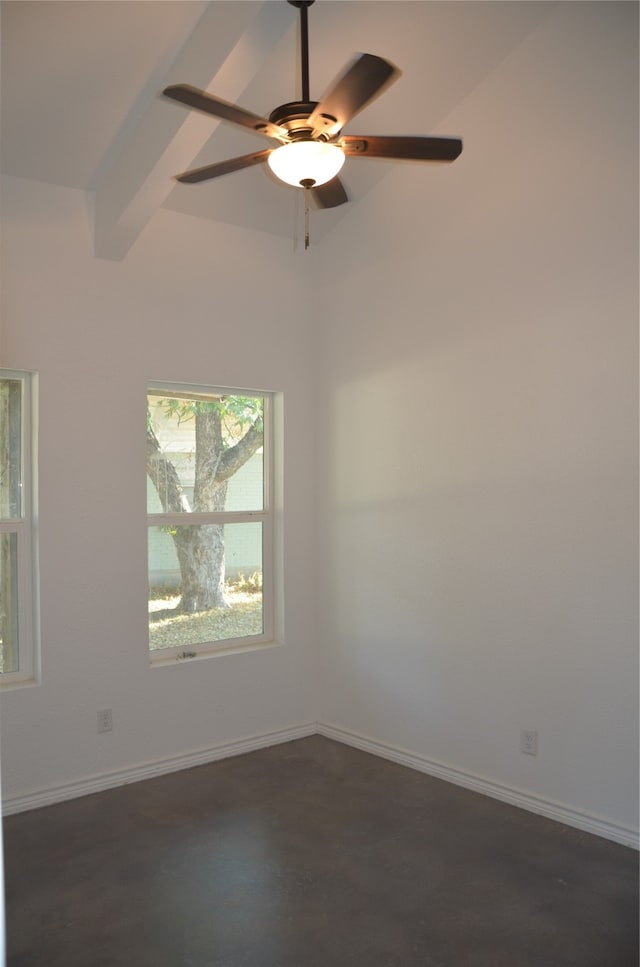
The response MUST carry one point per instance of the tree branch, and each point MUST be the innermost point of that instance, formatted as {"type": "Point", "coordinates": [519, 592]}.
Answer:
{"type": "Point", "coordinates": [164, 476]}
{"type": "Point", "coordinates": [233, 458]}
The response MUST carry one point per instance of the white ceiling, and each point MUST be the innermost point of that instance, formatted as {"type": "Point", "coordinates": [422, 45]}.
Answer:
{"type": "Point", "coordinates": [82, 107]}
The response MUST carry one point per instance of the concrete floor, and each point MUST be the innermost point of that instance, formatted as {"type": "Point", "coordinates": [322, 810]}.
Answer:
{"type": "Point", "coordinates": [311, 854]}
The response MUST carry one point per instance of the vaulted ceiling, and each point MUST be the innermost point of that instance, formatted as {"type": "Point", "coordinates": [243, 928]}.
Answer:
{"type": "Point", "coordinates": [82, 105]}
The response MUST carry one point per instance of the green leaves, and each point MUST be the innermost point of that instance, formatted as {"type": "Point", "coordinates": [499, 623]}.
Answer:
{"type": "Point", "coordinates": [237, 413]}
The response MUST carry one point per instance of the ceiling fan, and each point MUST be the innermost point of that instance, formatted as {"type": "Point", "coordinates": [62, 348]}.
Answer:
{"type": "Point", "coordinates": [312, 147]}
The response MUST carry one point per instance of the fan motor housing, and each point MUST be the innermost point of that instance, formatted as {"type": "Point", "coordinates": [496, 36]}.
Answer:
{"type": "Point", "coordinates": [294, 117]}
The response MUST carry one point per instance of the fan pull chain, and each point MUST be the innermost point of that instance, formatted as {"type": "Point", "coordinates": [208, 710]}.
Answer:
{"type": "Point", "coordinates": [296, 219]}
{"type": "Point", "coordinates": [306, 219]}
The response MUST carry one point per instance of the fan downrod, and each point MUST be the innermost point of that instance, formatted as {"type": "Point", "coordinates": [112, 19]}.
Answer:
{"type": "Point", "coordinates": [302, 6]}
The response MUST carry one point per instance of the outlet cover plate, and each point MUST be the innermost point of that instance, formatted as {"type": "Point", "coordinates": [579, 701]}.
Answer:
{"type": "Point", "coordinates": [529, 741]}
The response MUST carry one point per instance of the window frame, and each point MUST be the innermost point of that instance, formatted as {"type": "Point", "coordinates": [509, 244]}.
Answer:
{"type": "Point", "coordinates": [266, 517]}
{"type": "Point", "coordinates": [25, 527]}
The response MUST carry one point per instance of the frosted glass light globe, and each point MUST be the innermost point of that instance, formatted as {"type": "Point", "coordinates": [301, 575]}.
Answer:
{"type": "Point", "coordinates": [315, 162]}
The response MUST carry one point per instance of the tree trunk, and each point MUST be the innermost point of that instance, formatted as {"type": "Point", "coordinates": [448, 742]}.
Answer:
{"type": "Point", "coordinates": [201, 557]}
{"type": "Point", "coordinates": [200, 548]}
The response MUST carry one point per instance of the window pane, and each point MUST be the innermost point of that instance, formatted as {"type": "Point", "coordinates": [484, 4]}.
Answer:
{"type": "Point", "coordinates": [204, 453]}
{"type": "Point", "coordinates": [8, 603]}
{"type": "Point", "coordinates": [205, 583]}
{"type": "Point", "coordinates": [10, 448]}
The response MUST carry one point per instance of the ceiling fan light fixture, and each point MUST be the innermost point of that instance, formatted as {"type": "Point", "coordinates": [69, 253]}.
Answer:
{"type": "Point", "coordinates": [306, 163]}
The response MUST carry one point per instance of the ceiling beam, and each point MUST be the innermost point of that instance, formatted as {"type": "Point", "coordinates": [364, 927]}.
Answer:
{"type": "Point", "coordinates": [223, 55]}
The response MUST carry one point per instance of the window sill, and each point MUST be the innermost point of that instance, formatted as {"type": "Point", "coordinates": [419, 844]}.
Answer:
{"type": "Point", "coordinates": [222, 651]}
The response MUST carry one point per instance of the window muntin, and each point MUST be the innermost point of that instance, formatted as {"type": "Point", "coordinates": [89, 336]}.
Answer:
{"type": "Point", "coordinates": [209, 520]}
{"type": "Point", "coordinates": [18, 607]}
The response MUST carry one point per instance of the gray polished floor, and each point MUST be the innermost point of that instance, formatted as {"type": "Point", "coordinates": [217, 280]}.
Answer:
{"type": "Point", "coordinates": [311, 854]}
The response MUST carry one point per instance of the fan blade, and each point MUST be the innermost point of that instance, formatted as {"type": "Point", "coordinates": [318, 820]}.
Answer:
{"type": "Point", "coordinates": [401, 148]}
{"type": "Point", "coordinates": [201, 101]}
{"type": "Point", "coordinates": [223, 167]}
{"type": "Point", "coordinates": [362, 81]}
{"type": "Point", "coordinates": [329, 195]}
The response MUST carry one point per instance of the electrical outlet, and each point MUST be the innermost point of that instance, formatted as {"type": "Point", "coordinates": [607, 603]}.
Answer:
{"type": "Point", "coordinates": [105, 720]}
{"type": "Point", "coordinates": [529, 741]}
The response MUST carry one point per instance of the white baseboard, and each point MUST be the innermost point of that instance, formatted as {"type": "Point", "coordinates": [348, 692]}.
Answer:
{"type": "Point", "coordinates": [515, 797]}
{"type": "Point", "coordinates": [148, 770]}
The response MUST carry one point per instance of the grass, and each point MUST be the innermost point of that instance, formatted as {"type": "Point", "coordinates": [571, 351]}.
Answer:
{"type": "Point", "coordinates": [168, 628]}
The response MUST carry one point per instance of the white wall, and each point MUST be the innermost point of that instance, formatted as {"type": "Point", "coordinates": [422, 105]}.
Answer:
{"type": "Point", "coordinates": [479, 434]}
{"type": "Point", "coordinates": [472, 568]}
{"type": "Point", "coordinates": [192, 302]}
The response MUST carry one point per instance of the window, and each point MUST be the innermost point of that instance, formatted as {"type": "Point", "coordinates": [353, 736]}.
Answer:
{"type": "Point", "coordinates": [18, 614]}
{"type": "Point", "coordinates": [210, 520]}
